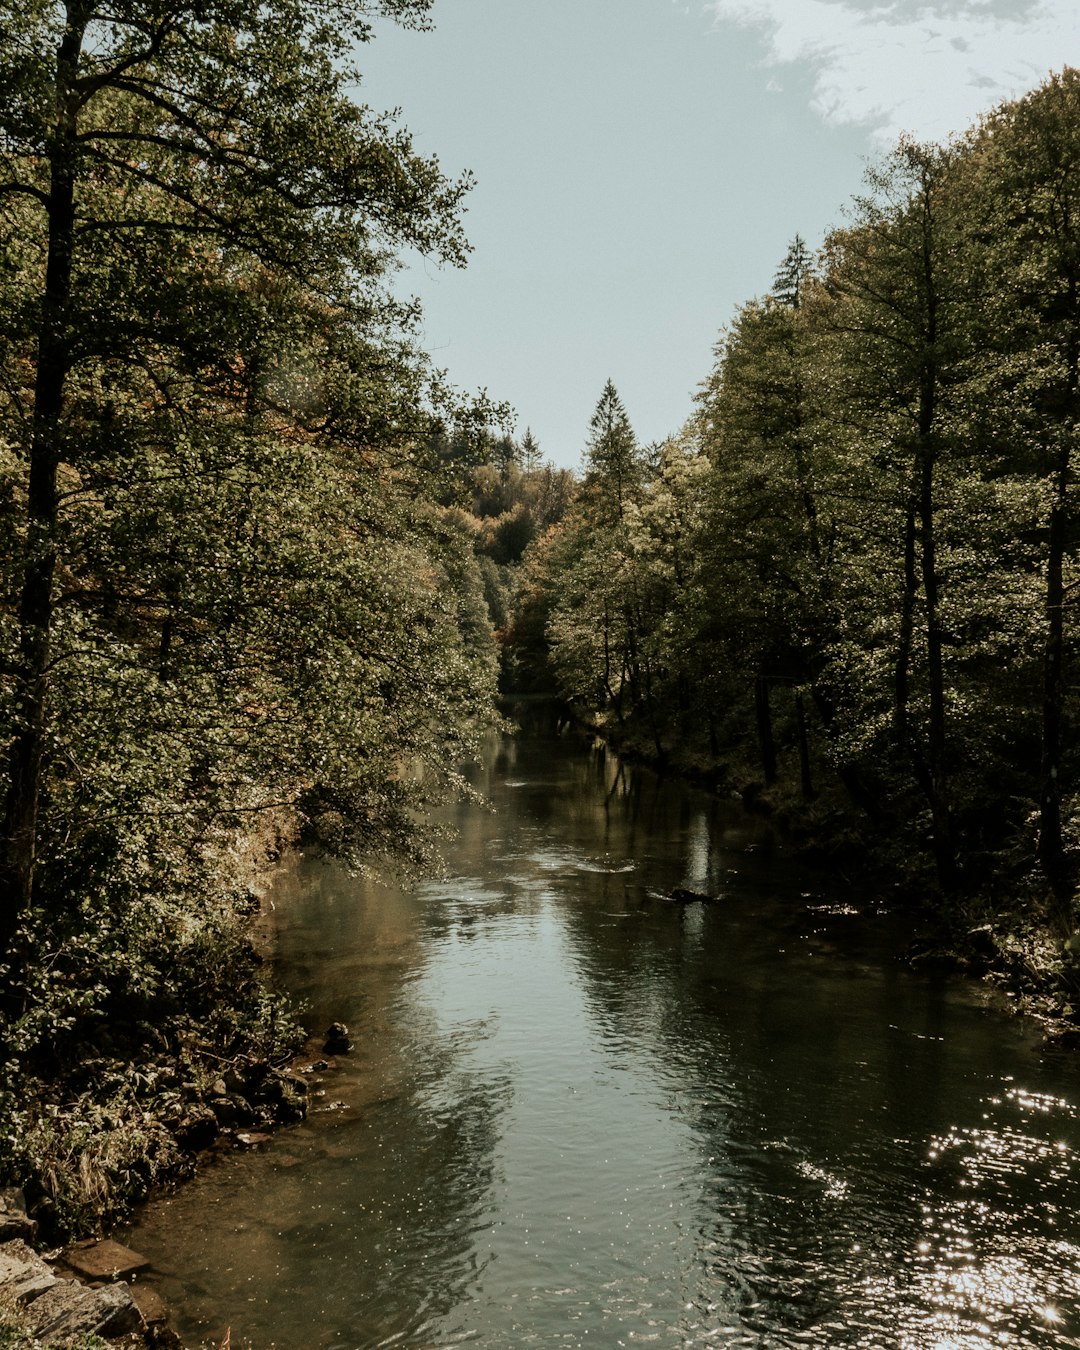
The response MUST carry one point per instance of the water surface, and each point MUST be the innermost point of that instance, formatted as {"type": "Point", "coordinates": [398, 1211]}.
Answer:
{"type": "Point", "coordinates": [580, 1115]}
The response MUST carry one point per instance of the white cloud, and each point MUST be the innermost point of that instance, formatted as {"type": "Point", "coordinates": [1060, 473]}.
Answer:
{"type": "Point", "coordinates": [928, 68]}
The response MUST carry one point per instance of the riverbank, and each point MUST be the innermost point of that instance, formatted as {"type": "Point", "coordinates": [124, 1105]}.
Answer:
{"type": "Point", "coordinates": [181, 1046]}
{"type": "Point", "coordinates": [1003, 932]}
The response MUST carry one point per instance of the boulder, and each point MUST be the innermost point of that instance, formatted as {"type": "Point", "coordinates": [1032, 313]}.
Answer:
{"type": "Point", "coordinates": [14, 1220]}
{"type": "Point", "coordinates": [69, 1309]}
{"type": "Point", "coordinates": [337, 1039]}
{"type": "Point", "coordinates": [196, 1128]}
{"type": "Point", "coordinates": [150, 1303]}
{"type": "Point", "coordinates": [231, 1110]}
{"type": "Point", "coordinates": [24, 1276]}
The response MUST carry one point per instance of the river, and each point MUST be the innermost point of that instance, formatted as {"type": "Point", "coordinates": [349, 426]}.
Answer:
{"type": "Point", "coordinates": [580, 1115]}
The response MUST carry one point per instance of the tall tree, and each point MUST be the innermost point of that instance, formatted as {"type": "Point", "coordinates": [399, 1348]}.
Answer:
{"type": "Point", "coordinates": [1024, 179]}
{"type": "Point", "coordinates": [898, 318]}
{"type": "Point", "coordinates": [614, 466]}
{"type": "Point", "coordinates": [793, 273]}
{"type": "Point", "coordinates": [161, 163]}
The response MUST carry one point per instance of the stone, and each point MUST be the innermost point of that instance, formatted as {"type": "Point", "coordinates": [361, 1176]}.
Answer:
{"type": "Point", "coordinates": [14, 1220]}
{"type": "Point", "coordinates": [234, 1110]}
{"type": "Point", "coordinates": [252, 1138]}
{"type": "Point", "coordinates": [683, 896]}
{"type": "Point", "coordinates": [24, 1276]}
{"type": "Point", "coordinates": [104, 1260]}
{"type": "Point", "coordinates": [197, 1128]}
{"type": "Point", "coordinates": [337, 1039]}
{"type": "Point", "coordinates": [149, 1303]}
{"type": "Point", "coordinates": [69, 1309]}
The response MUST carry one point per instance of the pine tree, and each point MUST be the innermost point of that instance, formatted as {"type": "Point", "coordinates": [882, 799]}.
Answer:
{"type": "Point", "coordinates": [613, 462]}
{"type": "Point", "coordinates": [793, 273]}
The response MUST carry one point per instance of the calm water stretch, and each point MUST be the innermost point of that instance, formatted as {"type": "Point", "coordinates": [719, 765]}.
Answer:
{"type": "Point", "coordinates": [578, 1115]}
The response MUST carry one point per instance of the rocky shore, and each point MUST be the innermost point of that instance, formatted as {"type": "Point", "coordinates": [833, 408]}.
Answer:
{"type": "Point", "coordinates": [69, 1294]}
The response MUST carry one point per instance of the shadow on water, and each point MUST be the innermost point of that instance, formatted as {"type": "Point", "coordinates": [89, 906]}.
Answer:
{"type": "Point", "coordinates": [579, 1114]}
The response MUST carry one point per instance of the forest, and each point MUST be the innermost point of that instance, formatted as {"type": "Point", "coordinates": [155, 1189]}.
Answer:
{"type": "Point", "coordinates": [265, 576]}
{"type": "Point", "coordinates": [846, 589]}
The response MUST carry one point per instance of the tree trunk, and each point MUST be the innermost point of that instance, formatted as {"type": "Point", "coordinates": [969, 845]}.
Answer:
{"type": "Point", "coordinates": [805, 779]}
{"type": "Point", "coordinates": [765, 731]}
{"type": "Point", "coordinates": [26, 755]}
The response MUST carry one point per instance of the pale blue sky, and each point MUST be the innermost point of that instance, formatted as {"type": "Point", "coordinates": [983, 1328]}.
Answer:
{"type": "Point", "coordinates": [642, 166]}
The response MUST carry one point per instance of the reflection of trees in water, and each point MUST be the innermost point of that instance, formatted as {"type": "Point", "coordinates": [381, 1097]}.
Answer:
{"type": "Point", "coordinates": [408, 1182]}
{"type": "Point", "coordinates": [814, 1089]}
{"type": "Point", "coordinates": [368, 1219]}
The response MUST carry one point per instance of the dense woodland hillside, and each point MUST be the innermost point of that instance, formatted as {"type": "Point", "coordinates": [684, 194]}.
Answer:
{"type": "Point", "coordinates": [262, 574]}
{"type": "Point", "coordinates": [233, 612]}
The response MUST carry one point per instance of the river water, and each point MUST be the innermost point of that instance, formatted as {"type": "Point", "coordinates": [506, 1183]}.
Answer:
{"type": "Point", "coordinates": [580, 1115]}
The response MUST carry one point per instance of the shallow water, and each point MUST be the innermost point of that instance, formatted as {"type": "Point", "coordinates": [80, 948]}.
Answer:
{"type": "Point", "coordinates": [579, 1115]}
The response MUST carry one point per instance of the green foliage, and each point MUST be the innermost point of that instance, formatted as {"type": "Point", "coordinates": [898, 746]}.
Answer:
{"type": "Point", "coordinates": [854, 575]}
{"type": "Point", "coordinates": [233, 613]}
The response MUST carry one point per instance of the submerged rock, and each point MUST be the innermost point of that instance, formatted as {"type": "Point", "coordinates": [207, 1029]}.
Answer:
{"type": "Point", "coordinates": [337, 1039]}
{"type": "Point", "coordinates": [682, 896]}
{"type": "Point", "coordinates": [105, 1260]}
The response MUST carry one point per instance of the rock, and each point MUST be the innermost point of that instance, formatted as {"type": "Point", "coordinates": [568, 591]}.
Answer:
{"type": "Point", "coordinates": [104, 1260]}
{"type": "Point", "coordinates": [68, 1309]}
{"type": "Point", "coordinates": [682, 896]}
{"type": "Point", "coordinates": [196, 1129]}
{"type": "Point", "coordinates": [231, 1110]}
{"type": "Point", "coordinates": [14, 1220]}
{"type": "Point", "coordinates": [337, 1039]}
{"type": "Point", "coordinates": [24, 1276]}
{"type": "Point", "coordinates": [252, 1138]}
{"type": "Point", "coordinates": [980, 942]}
{"type": "Point", "coordinates": [149, 1303]}
{"type": "Point", "coordinates": [234, 1081]}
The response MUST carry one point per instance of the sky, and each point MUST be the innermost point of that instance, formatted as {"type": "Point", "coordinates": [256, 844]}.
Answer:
{"type": "Point", "coordinates": [641, 167]}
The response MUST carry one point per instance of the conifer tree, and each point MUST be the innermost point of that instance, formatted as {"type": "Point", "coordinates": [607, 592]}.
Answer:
{"type": "Point", "coordinates": [793, 273]}
{"type": "Point", "coordinates": [613, 461]}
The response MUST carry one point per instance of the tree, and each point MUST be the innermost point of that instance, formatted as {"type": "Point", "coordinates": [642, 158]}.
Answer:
{"type": "Point", "coordinates": [1024, 179]}
{"type": "Point", "coordinates": [530, 452]}
{"type": "Point", "coordinates": [613, 462]}
{"type": "Point", "coordinates": [793, 273]}
{"type": "Point", "coordinates": [178, 178]}
{"type": "Point", "coordinates": [898, 318]}
{"type": "Point", "coordinates": [767, 542]}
